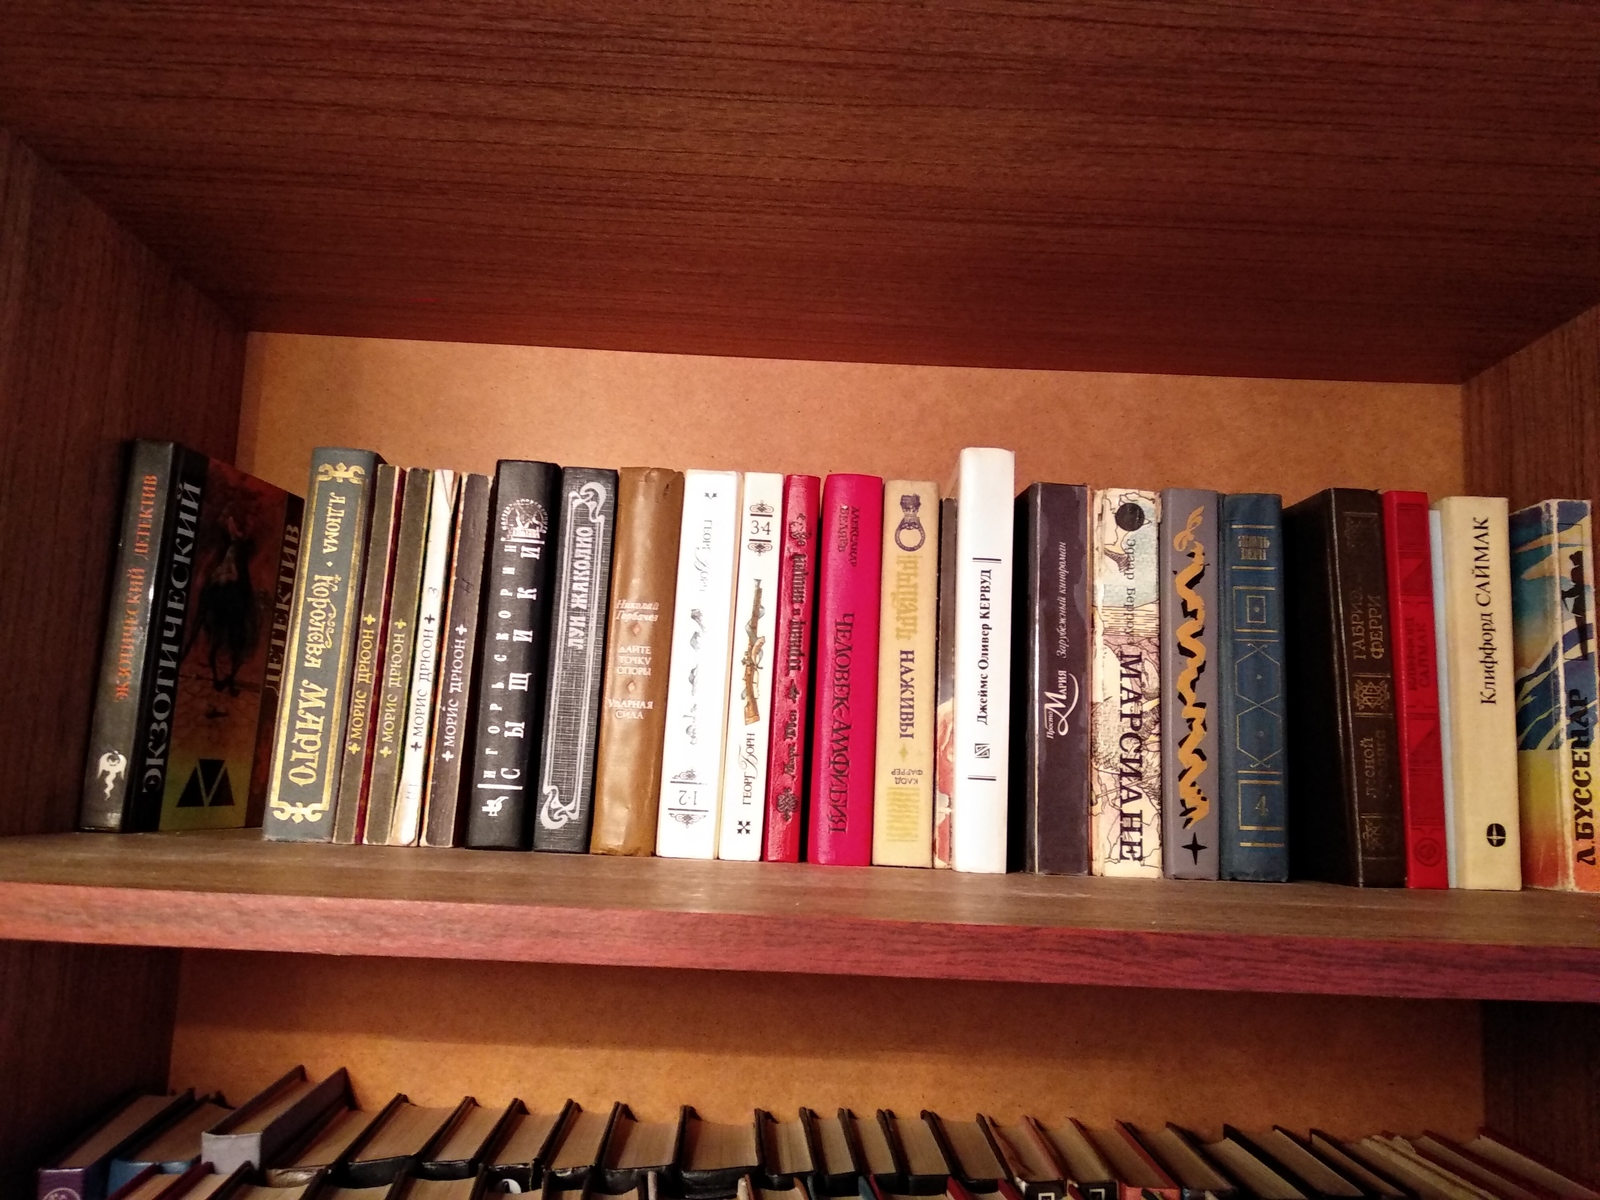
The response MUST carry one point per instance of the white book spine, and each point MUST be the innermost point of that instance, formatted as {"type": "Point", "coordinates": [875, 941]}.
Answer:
{"type": "Point", "coordinates": [407, 823]}
{"type": "Point", "coordinates": [986, 489]}
{"type": "Point", "coordinates": [1478, 699]}
{"type": "Point", "coordinates": [697, 679]}
{"type": "Point", "coordinates": [749, 718]}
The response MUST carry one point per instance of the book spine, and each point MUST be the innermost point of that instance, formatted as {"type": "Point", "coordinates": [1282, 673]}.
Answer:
{"type": "Point", "coordinates": [407, 824]}
{"type": "Point", "coordinates": [844, 720]}
{"type": "Point", "coordinates": [1482, 819]}
{"type": "Point", "coordinates": [1580, 684]}
{"type": "Point", "coordinates": [366, 673]}
{"type": "Point", "coordinates": [168, 642]}
{"type": "Point", "coordinates": [1416, 676]}
{"type": "Point", "coordinates": [749, 716]}
{"type": "Point", "coordinates": [399, 647]}
{"type": "Point", "coordinates": [146, 520]}
{"type": "Point", "coordinates": [902, 801]}
{"type": "Point", "coordinates": [1050, 726]}
{"type": "Point", "coordinates": [633, 704]}
{"type": "Point", "coordinates": [305, 762]}
{"type": "Point", "coordinates": [457, 656]}
{"type": "Point", "coordinates": [688, 812]}
{"type": "Point", "coordinates": [944, 699]}
{"type": "Point", "coordinates": [1125, 700]}
{"type": "Point", "coordinates": [791, 669]}
{"type": "Point", "coordinates": [1191, 824]}
{"type": "Point", "coordinates": [1252, 751]}
{"type": "Point", "coordinates": [277, 654]}
{"type": "Point", "coordinates": [517, 589]}
{"type": "Point", "coordinates": [986, 487]}
{"type": "Point", "coordinates": [577, 659]}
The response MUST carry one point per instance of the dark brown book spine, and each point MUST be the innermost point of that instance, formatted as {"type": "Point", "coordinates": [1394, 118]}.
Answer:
{"type": "Point", "coordinates": [1345, 816]}
{"type": "Point", "coordinates": [277, 653]}
{"type": "Point", "coordinates": [644, 583]}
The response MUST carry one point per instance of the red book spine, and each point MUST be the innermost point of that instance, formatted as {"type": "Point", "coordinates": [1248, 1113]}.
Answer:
{"type": "Point", "coordinates": [845, 724]}
{"type": "Point", "coordinates": [791, 659]}
{"type": "Point", "coordinates": [1416, 677]}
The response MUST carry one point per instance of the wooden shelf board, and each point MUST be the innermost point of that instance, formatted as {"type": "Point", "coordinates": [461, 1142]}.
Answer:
{"type": "Point", "coordinates": [233, 891]}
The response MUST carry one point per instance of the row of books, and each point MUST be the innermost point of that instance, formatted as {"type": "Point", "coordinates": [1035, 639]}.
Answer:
{"type": "Point", "coordinates": [752, 666]}
{"type": "Point", "coordinates": [303, 1138]}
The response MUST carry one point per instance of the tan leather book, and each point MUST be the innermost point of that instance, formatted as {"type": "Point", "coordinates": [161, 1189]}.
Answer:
{"type": "Point", "coordinates": [644, 576]}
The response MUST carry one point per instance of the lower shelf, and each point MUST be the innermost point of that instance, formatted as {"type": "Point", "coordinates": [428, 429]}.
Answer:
{"type": "Point", "coordinates": [233, 891]}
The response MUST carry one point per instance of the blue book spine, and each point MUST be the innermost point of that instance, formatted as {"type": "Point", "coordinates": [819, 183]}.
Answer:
{"type": "Point", "coordinates": [1255, 811]}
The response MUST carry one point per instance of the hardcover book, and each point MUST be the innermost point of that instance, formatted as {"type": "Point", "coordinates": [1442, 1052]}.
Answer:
{"type": "Point", "coordinates": [1416, 679]}
{"type": "Point", "coordinates": [633, 705]}
{"type": "Point", "coordinates": [1345, 822]}
{"type": "Point", "coordinates": [577, 658]}
{"type": "Point", "coordinates": [1477, 699]}
{"type": "Point", "coordinates": [81, 1172]}
{"type": "Point", "coordinates": [310, 737]}
{"type": "Point", "coordinates": [1253, 753]}
{"type": "Point", "coordinates": [749, 716]}
{"type": "Point", "coordinates": [1125, 700]}
{"type": "Point", "coordinates": [1552, 607]}
{"type": "Point", "coordinates": [845, 716]}
{"type": "Point", "coordinates": [277, 655]}
{"type": "Point", "coordinates": [944, 699]}
{"type": "Point", "coordinates": [458, 654]}
{"type": "Point", "coordinates": [260, 1130]}
{"type": "Point", "coordinates": [697, 682]}
{"type": "Point", "coordinates": [171, 1148]}
{"type": "Point", "coordinates": [902, 801]}
{"type": "Point", "coordinates": [791, 668]}
{"type": "Point", "coordinates": [515, 626]}
{"type": "Point", "coordinates": [1191, 824]}
{"type": "Point", "coordinates": [1050, 681]}
{"type": "Point", "coordinates": [399, 647]}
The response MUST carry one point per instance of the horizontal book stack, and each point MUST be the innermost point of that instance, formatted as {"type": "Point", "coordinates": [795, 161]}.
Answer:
{"type": "Point", "coordinates": [302, 1137]}
{"type": "Point", "coordinates": [1361, 688]}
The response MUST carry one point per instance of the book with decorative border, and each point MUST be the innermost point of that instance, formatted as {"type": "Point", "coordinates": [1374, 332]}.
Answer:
{"type": "Point", "coordinates": [791, 669]}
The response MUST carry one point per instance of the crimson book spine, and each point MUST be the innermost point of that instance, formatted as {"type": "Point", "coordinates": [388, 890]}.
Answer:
{"type": "Point", "coordinates": [791, 680]}
{"type": "Point", "coordinates": [844, 723]}
{"type": "Point", "coordinates": [1409, 560]}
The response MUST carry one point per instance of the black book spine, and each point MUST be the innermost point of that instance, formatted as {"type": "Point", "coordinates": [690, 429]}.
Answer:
{"type": "Point", "coordinates": [515, 629]}
{"type": "Point", "coordinates": [1345, 820]}
{"type": "Point", "coordinates": [305, 757]}
{"type": "Point", "coordinates": [456, 661]}
{"type": "Point", "coordinates": [581, 601]}
{"type": "Point", "coordinates": [124, 656]}
{"type": "Point", "coordinates": [277, 657]}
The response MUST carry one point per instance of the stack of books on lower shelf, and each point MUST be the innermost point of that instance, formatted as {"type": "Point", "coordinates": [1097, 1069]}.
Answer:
{"type": "Point", "coordinates": [1359, 688]}
{"type": "Point", "coordinates": [305, 1138]}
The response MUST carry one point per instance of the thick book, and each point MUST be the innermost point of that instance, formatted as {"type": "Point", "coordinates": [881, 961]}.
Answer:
{"type": "Point", "coordinates": [400, 642]}
{"type": "Point", "coordinates": [908, 631]}
{"type": "Point", "coordinates": [171, 1148]}
{"type": "Point", "coordinates": [277, 655]}
{"type": "Point", "coordinates": [443, 811]}
{"type": "Point", "coordinates": [1409, 560]}
{"type": "Point", "coordinates": [633, 697]}
{"type": "Point", "coordinates": [749, 716]}
{"type": "Point", "coordinates": [366, 672]}
{"type": "Point", "coordinates": [580, 605]}
{"type": "Point", "coordinates": [1253, 752]}
{"type": "Point", "coordinates": [1051, 630]}
{"type": "Point", "coordinates": [1345, 818]}
{"type": "Point", "coordinates": [1477, 700]}
{"type": "Point", "coordinates": [515, 624]}
{"type": "Point", "coordinates": [1191, 830]}
{"type": "Point", "coordinates": [697, 680]}
{"type": "Point", "coordinates": [310, 737]}
{"type": "Point", "coordinates": [986, 490]}
{"type": "Point", "coordinates": [81, 1172]}
{"type": "Point", "coordinates": [1125, 693]}
{"type": "Point", "coordinates": [260, 1130]}
{"type": "Point", "coordinates": [844, 721]}
{"type": "Point", "coordinates": [1552, 604]}
{"type": "Point", "coordinates": [791, 669]}
{"type": "Point", "coordinates": [944, 697]}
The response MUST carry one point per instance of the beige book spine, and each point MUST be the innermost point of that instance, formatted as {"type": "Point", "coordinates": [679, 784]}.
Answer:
{"type": "Point", "coordinates": [902, 808]}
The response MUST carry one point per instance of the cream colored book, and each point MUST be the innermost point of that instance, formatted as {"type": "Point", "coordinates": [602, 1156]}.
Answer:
{"type": "Point", "coordinates": [902, 800]}
{"type": "Point", "coordinates": [1477, 691]}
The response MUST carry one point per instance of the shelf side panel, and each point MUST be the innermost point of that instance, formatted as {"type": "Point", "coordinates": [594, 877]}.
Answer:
{"type": "Point", "coordinates": [1541, 1066]}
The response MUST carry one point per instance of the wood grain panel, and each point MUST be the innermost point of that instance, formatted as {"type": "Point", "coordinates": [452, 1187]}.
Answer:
{"type": "Point", "coordinates": [463, 406]}
{"type": "Point", "coordinates": [729, 1041]}
{"type": "Point", "coordinates": [1352, 189]}
{"type": "Point", "coordinates": [1541, 1068]}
